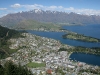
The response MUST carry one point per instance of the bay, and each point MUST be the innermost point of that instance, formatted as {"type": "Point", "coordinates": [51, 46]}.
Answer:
{"type": "Point", "coordinates": [87, 58]}
{"type": "Point", "coordinates": [58, 36]}
{"type": "Point", "coordinates": [88, 30]}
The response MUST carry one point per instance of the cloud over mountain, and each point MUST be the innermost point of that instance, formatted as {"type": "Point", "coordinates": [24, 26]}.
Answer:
{"type": "Point", "coordinates": [49, 16]}
{"type": "Point", "coordinates": [58, 8]}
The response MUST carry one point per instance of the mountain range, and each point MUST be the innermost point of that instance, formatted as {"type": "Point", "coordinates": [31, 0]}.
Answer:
{"type": "Point", "coordinates": [13, 19]}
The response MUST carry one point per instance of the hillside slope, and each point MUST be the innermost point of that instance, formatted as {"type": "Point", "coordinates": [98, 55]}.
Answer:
{"type": "Point", "coordinates": [5, 35]}
{"type": "Point", "coordinates": [49, 16]}
{"type": "Point", "coordinates": [35, 25]}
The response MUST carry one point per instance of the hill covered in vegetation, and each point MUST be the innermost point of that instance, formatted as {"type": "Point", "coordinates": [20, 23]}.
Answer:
{"type": "Point", "coordinates": [5, 35]}
{"type": "Point", "coordinates": [35, 25]}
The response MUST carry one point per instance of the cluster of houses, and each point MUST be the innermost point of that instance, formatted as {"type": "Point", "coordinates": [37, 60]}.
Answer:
{"type": "Point", "coordinates": [38, 49]}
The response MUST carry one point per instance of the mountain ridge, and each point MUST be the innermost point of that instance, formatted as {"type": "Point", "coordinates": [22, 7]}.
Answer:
{"type": "Point", "coordinates": [49, 16]}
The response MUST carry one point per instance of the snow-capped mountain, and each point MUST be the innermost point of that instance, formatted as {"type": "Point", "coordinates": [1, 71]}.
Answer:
{"type": "Point", "coordinates": [49, 16]}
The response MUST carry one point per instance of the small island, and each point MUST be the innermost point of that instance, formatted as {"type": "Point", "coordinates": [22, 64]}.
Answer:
{"type": "Point", "coordinates": [80, 37]}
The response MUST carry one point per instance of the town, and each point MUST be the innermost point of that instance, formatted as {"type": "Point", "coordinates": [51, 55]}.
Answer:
{"type": "Point", "coordinates": [33, 49]}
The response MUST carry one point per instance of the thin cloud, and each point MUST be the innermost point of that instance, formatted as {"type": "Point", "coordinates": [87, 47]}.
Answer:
{"type": "Point", "coordinates": [16, 5]}
{"type": "Point", "coordinates": [3, 8]}
{"type": "Point", "coordinates": [30, 7]}
{"type": "Point", "coordinates": [60, 7]}
{"type": "Point", "coordinates": [69, 9]}
{"type": "Point", "coordinates": [53, 7]}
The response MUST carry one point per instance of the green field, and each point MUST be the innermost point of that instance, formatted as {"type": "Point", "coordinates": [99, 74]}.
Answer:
{"type": "Point", "coordinates": [35, 65]}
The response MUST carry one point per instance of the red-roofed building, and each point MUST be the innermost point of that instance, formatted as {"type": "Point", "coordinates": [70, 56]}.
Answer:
{"type": "Point", "coordinates": [49, 71]}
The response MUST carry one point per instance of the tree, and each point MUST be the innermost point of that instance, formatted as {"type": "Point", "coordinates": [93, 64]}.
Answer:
{"type": "Point", "coordinates": [10, 68]}
{"type": "Point", "coordinates": [1, 70]}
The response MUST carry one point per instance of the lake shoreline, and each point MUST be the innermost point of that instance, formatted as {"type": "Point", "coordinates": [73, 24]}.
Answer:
{"type": "Point", "coordinates": [58, 36]}
{"type": "Point", "coordinates": [86, 58]}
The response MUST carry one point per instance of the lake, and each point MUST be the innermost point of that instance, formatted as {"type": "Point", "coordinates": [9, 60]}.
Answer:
{"type": "Point", "coordinates": [58, 36]}
{"type": "Point", "coordinates": [89, 30]}
{"type": "Point", "coordinates": [87, 58]}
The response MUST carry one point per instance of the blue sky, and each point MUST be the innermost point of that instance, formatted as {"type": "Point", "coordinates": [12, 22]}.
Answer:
{"type": "Point", "coordinates": [79, 6]}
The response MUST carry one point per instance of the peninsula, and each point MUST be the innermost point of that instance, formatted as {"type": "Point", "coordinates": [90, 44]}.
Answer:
{"type": "Point", "coordinates": [80, 37]}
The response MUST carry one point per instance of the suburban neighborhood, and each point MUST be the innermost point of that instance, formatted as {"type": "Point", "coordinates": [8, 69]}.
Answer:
{"type": "Point", "coordinates": [44, 53]}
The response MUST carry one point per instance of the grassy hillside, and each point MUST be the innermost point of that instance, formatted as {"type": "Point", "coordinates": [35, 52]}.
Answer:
{"type": "Point", "coordinates": [31, 24]}
{"type": "Point", "coordinates": [5, 35]}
